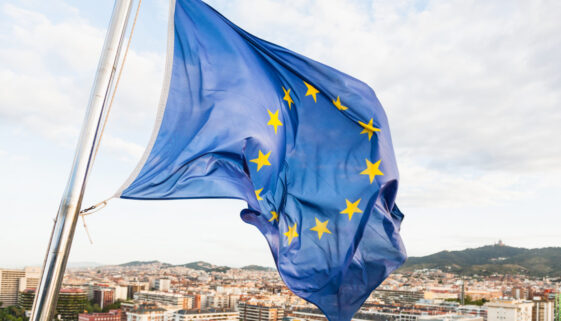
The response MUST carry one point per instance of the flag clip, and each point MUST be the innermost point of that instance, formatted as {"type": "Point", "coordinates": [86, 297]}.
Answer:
{"type": "Point", "coordinates": [90, 210]}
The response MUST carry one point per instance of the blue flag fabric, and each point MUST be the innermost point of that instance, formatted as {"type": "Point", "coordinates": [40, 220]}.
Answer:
{"type": "Point", "coordinates": [308, 147]}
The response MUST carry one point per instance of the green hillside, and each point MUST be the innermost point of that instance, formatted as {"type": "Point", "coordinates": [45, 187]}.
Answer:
{"type": "Point", "coordinates": [140, 263]}
{"type": "Point", "coordinates": [492, 259]}
{"type": "Point", "coordinates": [205, 266]}
{"type": "Point", "coordinates": [257, 268]}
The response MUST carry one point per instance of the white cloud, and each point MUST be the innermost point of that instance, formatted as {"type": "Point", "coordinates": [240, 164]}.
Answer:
{"type": "Point", "coordinates": [122, 149]}
{"type": "Point", "coordinates": [46, 71]}
{"type": "Point", "coordinates": [472, 90]}
{"type": "Point", "coordinates": [469, 87]}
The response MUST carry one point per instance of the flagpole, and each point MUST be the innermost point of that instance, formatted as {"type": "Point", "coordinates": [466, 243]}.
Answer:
{"type": "Point", "coordinates": [63, 231]}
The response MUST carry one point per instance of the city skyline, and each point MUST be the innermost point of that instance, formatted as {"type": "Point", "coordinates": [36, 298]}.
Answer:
{"type": "Point", "coordinates": [176, 293]}
{"type": "Point", "coordinates": [479, 84]}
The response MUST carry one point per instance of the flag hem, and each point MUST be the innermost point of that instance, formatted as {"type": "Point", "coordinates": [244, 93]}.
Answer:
{"type": "Point", "coordinates": [161, 104]}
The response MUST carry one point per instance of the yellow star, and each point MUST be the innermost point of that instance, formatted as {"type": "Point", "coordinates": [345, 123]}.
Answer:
{"type": "Point", "coordinates": [274, 119]}
{"type": "Point", "coordinates": [261, 160]}
{"type": "Point", "coordinates": [291, 233]}
{"type": "Point", "coordinates": [287, 97]}
{"type": "Point", "coordinates": [337, 104]}
{"type": "Point", "coordinates": [369, 128]}
{"type": "Point", "coordinates": [311, 91]}
{"type": "Point", "coordinates": [321, 227]}
{"type": "Point", "coordinates": [351, 208]}
{"type": "Point", "coordinates": [275, 216]}
{"type": "Point", "coordinates": [257, 194]}
{"type": "Point", "coordinates": [372, 170]}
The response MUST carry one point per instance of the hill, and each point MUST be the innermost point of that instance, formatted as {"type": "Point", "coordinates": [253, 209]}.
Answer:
{"type": "Point", "coordinates": [491, 259]}
{"type": "Point", "coordinates": [198, 265]}
{"type": "Point", "coordinates": [141, 263]}
{"type": "Point", "coordinates": [205, 266]}
{"type": "Point", "coordinates": [257, 268]}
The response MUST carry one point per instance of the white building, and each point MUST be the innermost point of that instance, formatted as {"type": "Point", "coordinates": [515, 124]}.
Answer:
{"type": "Point", "coordinates": [121, 292]}
{"type": "Point", "coordinates": [509, 310]}
{"type": "Point", "coordinates": [31, 279]}
{"type": "Point", "coordinates": [12, 281]}
{"type": "Point", "coordinates": [218, 301]}
{"type": "Point", "coordinates": [171, 300]}
{"type": "Point", "coordinates": [162, 284]}
{"type": "Point", "coordinates": [143, 314]}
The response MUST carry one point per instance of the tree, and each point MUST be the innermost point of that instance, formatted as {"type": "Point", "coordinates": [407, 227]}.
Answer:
{"type": "Point", "coordinates": [12, 313]}
{"type": "Point", "coordinates": [112, 306]}
{"type": "Point", "coordinates": [92, 307]}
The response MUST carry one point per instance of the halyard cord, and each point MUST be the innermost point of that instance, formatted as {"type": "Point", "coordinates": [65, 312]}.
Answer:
{"type": "Point", "coordinates": [100, 205]}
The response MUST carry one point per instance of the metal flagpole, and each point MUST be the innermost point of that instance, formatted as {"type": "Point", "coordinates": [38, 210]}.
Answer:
{"type": "Point", "coordinates": [63, 231]}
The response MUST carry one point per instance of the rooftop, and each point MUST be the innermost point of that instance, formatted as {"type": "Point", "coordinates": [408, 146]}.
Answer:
{"type": "Point", "coordinates": [206, 311]}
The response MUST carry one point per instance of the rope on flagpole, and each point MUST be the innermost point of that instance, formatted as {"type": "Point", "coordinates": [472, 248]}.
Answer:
{"type": "Point", "coordinates": [88, 211]}
{"type": "Point", "coordinates": [92, 209]}
{"type": "Point", "coordinates": [118, 77]}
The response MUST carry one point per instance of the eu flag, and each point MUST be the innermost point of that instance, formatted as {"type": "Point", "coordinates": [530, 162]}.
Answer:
{"type": "Point", "coordinates": [308, 147]}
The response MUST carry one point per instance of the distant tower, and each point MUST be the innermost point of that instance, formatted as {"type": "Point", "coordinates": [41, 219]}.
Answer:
{"type": "Point", "coordinates": [557, 306]}
{"type": "Point", "coordinates": [462, 290]}
{"type": "Point", "coordinates": [463, 295]}
{"type": "Point", "coordinates": [500, 243]}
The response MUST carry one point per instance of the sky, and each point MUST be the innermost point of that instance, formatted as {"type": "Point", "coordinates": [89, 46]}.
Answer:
{"type": "Point", "coordinates": [472, 90]}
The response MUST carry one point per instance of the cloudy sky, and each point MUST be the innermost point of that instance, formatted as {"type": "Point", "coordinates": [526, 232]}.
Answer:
{"type": "Point", "coordinates": [472, 90]}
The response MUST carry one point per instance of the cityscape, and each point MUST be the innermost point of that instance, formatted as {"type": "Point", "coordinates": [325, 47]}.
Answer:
{"type": "Point", "coordinates": [156, 291]}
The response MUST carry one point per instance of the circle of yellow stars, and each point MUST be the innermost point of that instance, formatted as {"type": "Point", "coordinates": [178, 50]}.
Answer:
{"type": "Point", "coordinates": [372, 169]}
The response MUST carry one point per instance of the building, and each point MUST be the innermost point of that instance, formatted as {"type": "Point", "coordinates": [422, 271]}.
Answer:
{"type": "Point", "coordinates": [474, 310]}
{"type": "Point", "coordinates": [172, 300]}
{"type": "Point", "coordinates": [509, 310]}
{"type": "Point", "coordinates": [205, 315]}
{"type": "Point", "coordinates": [71, 302]}
{"type": "Point", "coordinates": [259, 312]}
{"type": "Point", "coordinates": [449, 317]}
{"type": "Point", "coordinates": [127, 307]}
{"type": "Point", "coordinates": [396, 296]}
{"type": "Point", "coordinates": [441, 294]}
{"type": "Point", "coordinates": [9, 286]}
{"type": "Point", "coordinates": [484, 294]}
{"type": "Point", "coordinates": [31, 279]}
{"type": "Point", "coordinates": [162, 284]}
{"type": "Point", "coordinates": [104, 296]}
{"type": "Point", "coordinates": [383, 316]}
{"type": "Point", "coordinates": [219, 302]}
{"type": "Point", "coordinates": [13, 281]}
{"type": "Point", "coordinates": [112, 315]}
{"type": "Point", "coordinates": [136, 287]}
{"type": "Point", "coordinates": [542, 311]}
{"type": "Point", "coordinates": [557, 306]}
{"type": "Point", "coordinates": [121, 293]}
{"type": "Point", "coordinates": [147, 312]}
